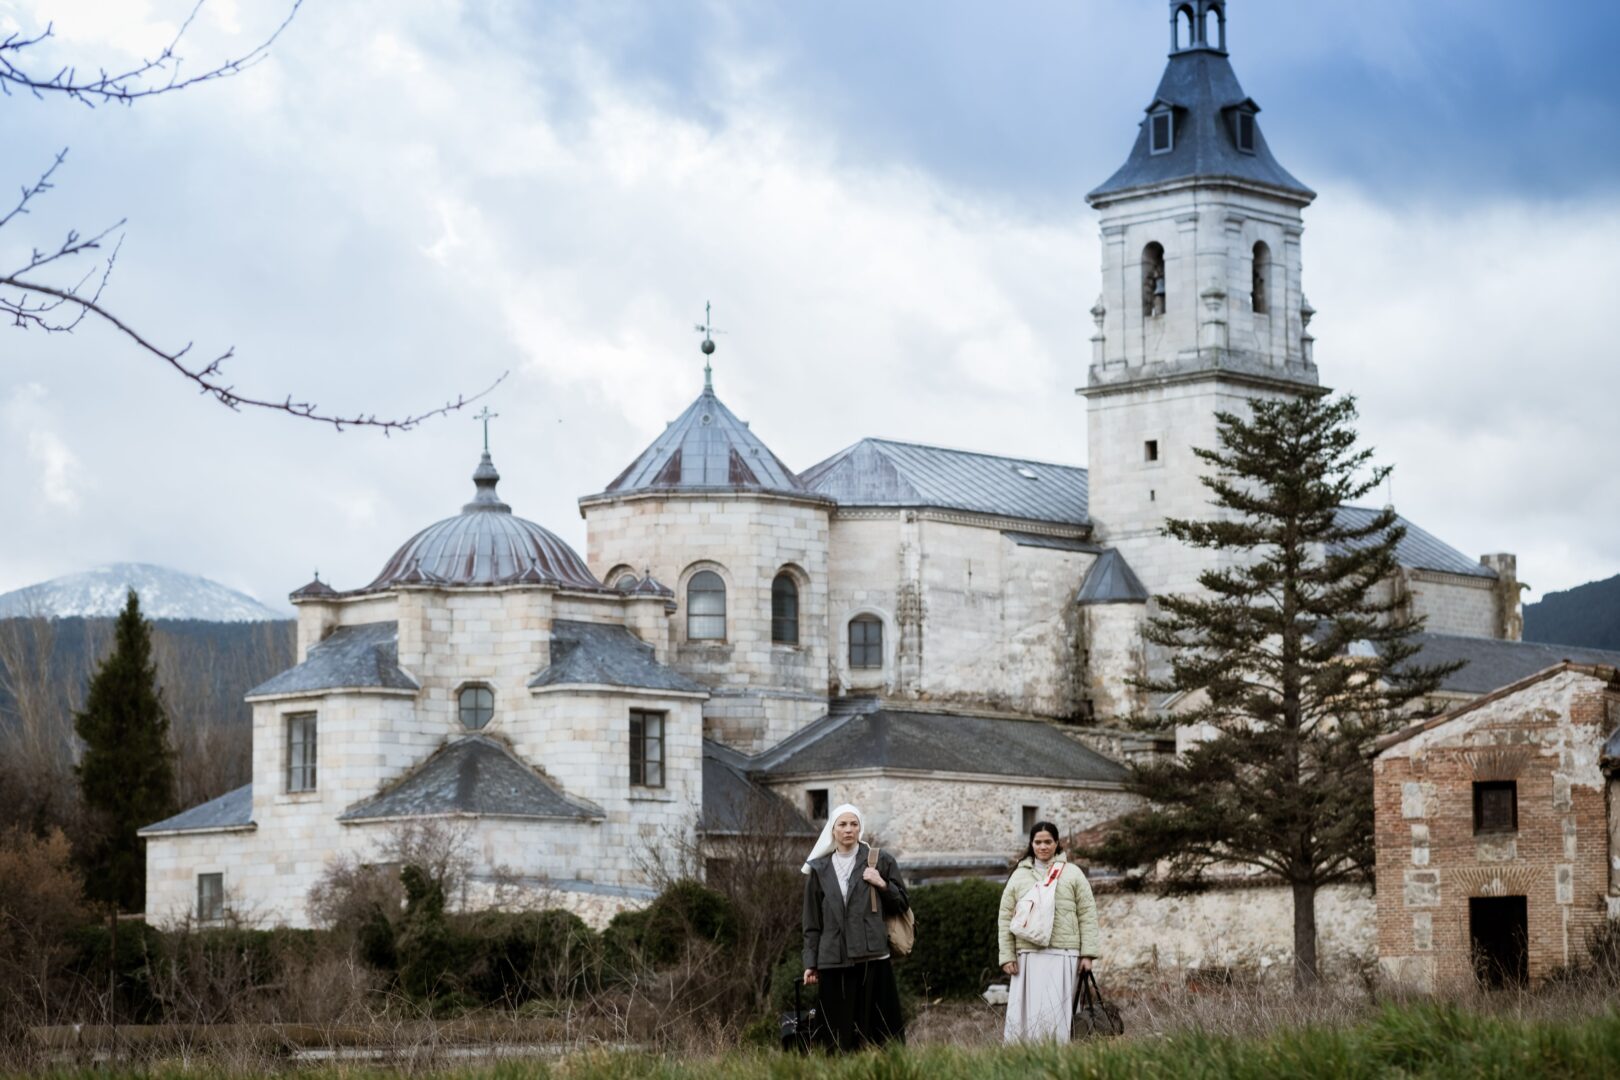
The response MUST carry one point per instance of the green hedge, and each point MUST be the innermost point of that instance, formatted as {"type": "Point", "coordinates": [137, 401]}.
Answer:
{"type": "Point", "coordinates": [955, 954]}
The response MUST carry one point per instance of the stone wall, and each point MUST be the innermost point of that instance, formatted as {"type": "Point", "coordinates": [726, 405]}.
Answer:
{"type": "Point", "coordinates": [765, 690]}
{"type": "Point", "coordinates": [940, 821]}
{"type": "Point", "coordinates": [1152, 940]}
{"type": "Point", "coordinates": [1455, 603]}
{"type": "Point", "coordinates": [1545, 737]}
{"type": "Point", "coordinates": [970, 617]}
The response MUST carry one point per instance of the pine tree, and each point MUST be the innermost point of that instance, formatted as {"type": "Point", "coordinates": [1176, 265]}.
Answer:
{"type": "Point", "coordinates": [1295, 657]}
{"type": "Point", "coordinates": [127, 772]}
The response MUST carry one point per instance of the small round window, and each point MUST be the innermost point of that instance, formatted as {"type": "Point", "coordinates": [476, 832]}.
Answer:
{"type": "Point", "coordinates": [477, 706]}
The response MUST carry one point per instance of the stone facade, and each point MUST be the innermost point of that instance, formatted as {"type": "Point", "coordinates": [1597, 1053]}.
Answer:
{"type": "Point", "coordinates": [763, 690]}
{"type": "Point", "coordinates": [1242, 932]}
{"type": "Point", "coordinates": [1541, 739]}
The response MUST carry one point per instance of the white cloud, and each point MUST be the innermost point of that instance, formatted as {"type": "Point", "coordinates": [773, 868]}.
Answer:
{"type": "Point", "coordinates": [30, 426]}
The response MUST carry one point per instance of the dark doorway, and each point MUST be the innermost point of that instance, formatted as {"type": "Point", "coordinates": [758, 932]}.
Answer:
{"type": "Point", "coordinates": [1498, 929]}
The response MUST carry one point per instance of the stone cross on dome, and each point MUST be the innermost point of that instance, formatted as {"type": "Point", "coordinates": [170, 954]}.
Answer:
{"type": "Point", "coordinates": [706, 328]}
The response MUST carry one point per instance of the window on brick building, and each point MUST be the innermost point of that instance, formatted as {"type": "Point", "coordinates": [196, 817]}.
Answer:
{"type": "Point", "coordinates": [1496, 806]}
{"type": "Point", "coordinates": [785, 610]}
{"type": "Point", "coordinates": [210, 898]}
{"type": "Point", "coordinates": [817, 798]}
{"type": "Point", "coordinates": [866, 642]}
{"type": "Point", "coordinates": [646, 748]}
{"type": "Point", "coordinates": [301, 752]}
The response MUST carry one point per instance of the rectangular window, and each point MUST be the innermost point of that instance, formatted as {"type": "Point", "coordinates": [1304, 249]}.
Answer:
{"type": "Point", "coordinates": [817, 798]}
{"type": "Point", "coordinates": [210, 897]}
{"type": "Point", "coordinates": [1150, 450]}
{"type": "Point", "coordinates": [1245, 132]}
{"type": "Point", "coordinates": [1162, 132]}
{"type": "Point", "coordinates": [1496, 806]}
{"type": "Point", "coordinates": [1031, 815]}
{"type": "Point", "coordinates": [865, 642]}
{"type": "Point", "coordinates": [301, 752]}
{"type": "Point", "coordinates": [646, 748]}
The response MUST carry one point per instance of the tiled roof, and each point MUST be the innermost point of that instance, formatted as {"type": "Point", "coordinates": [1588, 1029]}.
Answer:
{"type": "Point", "coordinates": [1202, 91]}
{"type": "Point", "coordinates": [707, 448]}
{"type": "Point", "coordinates": [232, 810]}
{"type": "Point", "coordinates": [590, 654]}
{"type": "Point", "coordinates": [364, 656]}
{"type": "Point", "coordinates": [939, 742]}
{"type": "Point", "coordinates": [1111, 581]}
{"type": "Point", "coordinates": [474, 774]}
{"type": "Point", "coordinates": [1418, 549]}
{"type": "Point", "coordinates": [1492, 663]}
{"type": "Point", "coordinates": [733, 803]}
{"type": "Point", "coordinates": [882, 472]}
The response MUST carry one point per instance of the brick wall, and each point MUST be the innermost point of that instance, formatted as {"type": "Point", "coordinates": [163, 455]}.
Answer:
{"type": "Point", "coordinates": [1545, 736]}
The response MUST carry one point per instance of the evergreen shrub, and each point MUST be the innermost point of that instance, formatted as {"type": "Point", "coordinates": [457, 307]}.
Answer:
{"type": "Point", "coordinates": [955, 954]}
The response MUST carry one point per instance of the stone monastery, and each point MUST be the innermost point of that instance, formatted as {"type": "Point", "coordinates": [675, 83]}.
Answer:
{"type": "Point", "coordinates": [945, 638]}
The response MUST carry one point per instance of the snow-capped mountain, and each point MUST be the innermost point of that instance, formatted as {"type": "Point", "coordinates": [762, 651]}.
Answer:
{"type": "Point", "coordinates": [164, 593]}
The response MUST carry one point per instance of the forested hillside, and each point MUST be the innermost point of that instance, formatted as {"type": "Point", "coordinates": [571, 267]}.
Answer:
{"type": "Point", "coordinates": [203, 668]}
{"type": "Point", "coordinates": [1585, 615]}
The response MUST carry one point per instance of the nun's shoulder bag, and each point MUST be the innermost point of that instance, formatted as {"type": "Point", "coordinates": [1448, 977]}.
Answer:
{"type": "Point", "coordinates": [902, 927]}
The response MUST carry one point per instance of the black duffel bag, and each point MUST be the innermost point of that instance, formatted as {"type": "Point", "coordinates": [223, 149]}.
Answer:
{"type": "Point", "coordinates": [1092, 1015]}
{"type": "Point", "coordinates": [799, 1028]}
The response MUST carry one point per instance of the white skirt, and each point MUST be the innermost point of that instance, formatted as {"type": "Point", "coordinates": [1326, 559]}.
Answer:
{"type": "Point", "coordinates": [1040, 1000]}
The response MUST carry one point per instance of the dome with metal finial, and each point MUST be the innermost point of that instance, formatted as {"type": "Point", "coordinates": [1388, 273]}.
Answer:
{"type": "Point", "coordinates": [486, 544]}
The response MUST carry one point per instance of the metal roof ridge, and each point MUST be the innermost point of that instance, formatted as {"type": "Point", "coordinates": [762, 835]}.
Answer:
{"type": "Point", "coordinates": [883, 441]}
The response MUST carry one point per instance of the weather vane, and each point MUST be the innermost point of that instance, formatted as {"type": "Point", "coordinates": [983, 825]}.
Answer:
{"type": "Point", "coordinates": [706, 328]}
{"type": "Point", "coordinates": [486, 416]}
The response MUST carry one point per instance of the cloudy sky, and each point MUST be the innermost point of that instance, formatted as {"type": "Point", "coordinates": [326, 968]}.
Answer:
{"type": "Point", "coordinates": [885, 202]}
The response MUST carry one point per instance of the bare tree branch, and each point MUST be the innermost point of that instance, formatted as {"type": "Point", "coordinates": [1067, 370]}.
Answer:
{"type": "Point", "coordinates": [123, 87]}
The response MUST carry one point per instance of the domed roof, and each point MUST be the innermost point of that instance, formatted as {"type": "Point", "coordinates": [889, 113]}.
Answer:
{"type": "Point", "coordinates": [486, 544]}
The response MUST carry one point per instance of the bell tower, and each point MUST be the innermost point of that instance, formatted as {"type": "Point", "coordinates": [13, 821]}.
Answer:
{"type": "Point", "coordinates": [1201, 308]}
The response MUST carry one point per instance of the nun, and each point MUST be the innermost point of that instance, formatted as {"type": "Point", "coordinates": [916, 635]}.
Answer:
{"type": "Point", "coordinates": [846, 942]}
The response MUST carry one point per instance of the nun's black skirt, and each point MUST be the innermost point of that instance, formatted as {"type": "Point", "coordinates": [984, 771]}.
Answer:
{"type": "Point", "coordinates": [860, 1005]}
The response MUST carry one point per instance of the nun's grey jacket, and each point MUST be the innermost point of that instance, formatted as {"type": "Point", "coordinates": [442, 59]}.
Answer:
{"type": "Point", "coordinates": [838, 934]}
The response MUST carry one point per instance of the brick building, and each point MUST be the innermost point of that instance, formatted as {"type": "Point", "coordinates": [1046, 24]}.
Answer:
{"type": "Point", "coordinates": [1493, 831]}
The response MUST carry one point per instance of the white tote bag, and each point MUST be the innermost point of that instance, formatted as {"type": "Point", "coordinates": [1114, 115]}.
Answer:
{"type": "Point", "coordinates": [1032, 918]}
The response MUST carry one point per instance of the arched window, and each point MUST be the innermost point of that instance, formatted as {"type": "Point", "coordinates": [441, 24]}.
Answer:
{"type": "Point", "coordinates": [626, 582]}
{"type": "Point", "coordinates": [1262, 274]}
{"type": "Point", "coordinates": [1186, 34]}
{"type": "Point", "coordinates": [866, 642]}
{"type": "Point", "coordinates": [784, 610]}
{"type": "Point", "coordinates": [477, 706]}
{"type": "Point", "coordinates": [706, 607]}
{"type": "Point", "coordinates": [1153, 296]}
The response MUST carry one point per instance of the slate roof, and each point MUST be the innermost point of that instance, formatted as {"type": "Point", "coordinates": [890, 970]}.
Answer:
{"type": "Point", "coordinates": [882, 472]}
{"type": "Point", "coordinates": [938, 742]}
{"type": "Point", "coordinates": [707, 448]}
{"type": "Point", "coordinates": [1203, 91]}
{"type": "Point", "coordinates": [486, 544]}
{"type": "Point", "coordinates": [232, 810]}
{"type": "Point", "coordinates": [733, 803]}
{"type": "Point", "coordinates": [352, 657]}
{"type": "Point", "coordinates": [1493, 663]}
{"type": "Point", "coordinates": [1111, 581]}
{"type": "Point", "coordinates": [590, 654]}
{"type": "Point", "coordinates": [1418, 549]}
{"type": "Point", "coordinates": [474, 774]}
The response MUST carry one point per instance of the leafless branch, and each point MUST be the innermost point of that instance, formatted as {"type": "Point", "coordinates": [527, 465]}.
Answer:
{"type": "Point", "coordinates": [59, 307]}
{"type": "Point", "coordinates": [142, 80]}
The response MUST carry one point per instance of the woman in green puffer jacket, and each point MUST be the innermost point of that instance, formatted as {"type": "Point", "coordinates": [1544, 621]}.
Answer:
{"type": "Point", "coordinates": [1040, 1001]}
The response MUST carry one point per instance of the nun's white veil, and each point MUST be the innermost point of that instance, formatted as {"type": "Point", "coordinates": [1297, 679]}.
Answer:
{"type": "Point", "coordinates": [825, 842]}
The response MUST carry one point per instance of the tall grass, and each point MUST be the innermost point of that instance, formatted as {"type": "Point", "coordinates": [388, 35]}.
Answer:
{"type": "Point", "coordinates": [1427, 1039]}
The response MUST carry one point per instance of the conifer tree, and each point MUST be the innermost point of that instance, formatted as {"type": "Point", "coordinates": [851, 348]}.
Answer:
{"type": "Point", "coordinates": [1295, 656]}
{"type": "Point", "coordinates": [127, 772]}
